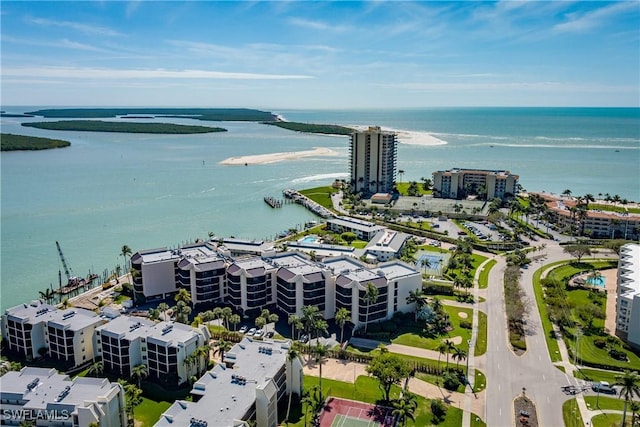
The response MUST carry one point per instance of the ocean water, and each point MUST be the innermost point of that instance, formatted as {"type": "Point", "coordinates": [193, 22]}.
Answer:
{"type": "Point", "coordinates": [147, 191]}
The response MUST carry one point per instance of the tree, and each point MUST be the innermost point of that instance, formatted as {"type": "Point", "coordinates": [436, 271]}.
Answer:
{"type": "Point", "coordinates": [292, 355]}
{"type": "Point", "coordinates": [438, 409]}
{"type": "Point", "coordinates": [418, 298]}
{"type": "Point", "coordinates": [342, 317]}
{"type": "Point", "coordinates": [319, 353]}
{"type": "Point", "coordinates": [223, 347]}
{"type": "Point", "coordinates": [47, 295]}
{"type": "Point", "coordinates": [388, 369]}
{"type": "Point", "coordinates": [578, 251]}
{"type": "Point", "coordinates": [234, 320]}
{"type": "Point", "coordinates": [133, 397]}
{"type": "Point", "coordinates": [294, 321]}
{"type": "Point", "coordinates": [96, 369]}
{"type": "Point", "coordinates": [348, 237]}
{"type": "Point", "coordinates": [139, 372]}
{"type": "Point", "coordinates": [310, 315]}
{"type": "Point", "coordinates": [125, 251]}
{"type": "Point", "coordinates": [449, 346]}
{"type": "Point", "coordinates": [183, 295]}
{"type": "Point", "coordinates": [630, 388]}
{"type": "Point", "coordinates": [162, 308]}
{"type": "Point", "coordinates": [459, 354]}
{"type": "Point", "coordinates": [226, 315]}
{"type": "Point", "coordinates": [260, 322]}
{"type": "Point", "coordinates": [273, 318]}
{"type": "Point", "coordinates": [405, 408]}
{"type": "Point", "coordinates": [181, 312]}
{"type": "Point", "coordinates": [370, 297]}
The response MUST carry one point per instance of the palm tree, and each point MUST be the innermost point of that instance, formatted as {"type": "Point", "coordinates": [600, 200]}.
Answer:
{"type": "Point", "coordinates": [292, 355]}
{"type": "Point", "coordinates": [234, 320]}
{"type": "Point", "coordinates": [226, 315]}
{"type": "Point", "coordinates": [47, 295]}
{"type": "Point", "coordinates": [630, 388]}
{"type": "Point", "coordinates": [442, 349]}
{"type": "Point", "coordinates": [139, 372]}
{"type": "Point", "coordinates": [162, 308]}
{"type": "Point", "coordinates": [202, 352]}
{"type": "Point", "coordinates": [273, 318]}
{"type": "Point", "coordinates": [405, 408]}
{"type": "Point", "coordinates": [125, 251]}
{"type": "Point", "coordinates": [459, 354]}
{"type": "Point", "coordinates": [183, 295]}
{"type": "Point", "coordinates": [401, 173]}
{"type": "Point", "coordinates": [96, 369]}
{"type": "Point", "coordinates": [181, 312]}
{"type": "Point", "coordinates": [293, 320]}
{"type": "Point", "coordinates": [223, 347]}
{"type": "Point", "coordinates": [416, 296]}
{"type": "Point", "coordinates": [449, 346]}
{"type": "Point", "coordinates": [370, 297]}
{"type": "Point", "coordinates": [342, 317]}
{"type": "Point", "coordinates": [320, 352]}
{"type": "Point", "coordinates": [635, 408]}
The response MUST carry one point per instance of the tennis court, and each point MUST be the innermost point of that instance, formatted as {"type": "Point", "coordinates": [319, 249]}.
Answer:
{"type": "Point", "coordinates": [349, 413]}
{"type": "Point", "coordinates": [431, 263]}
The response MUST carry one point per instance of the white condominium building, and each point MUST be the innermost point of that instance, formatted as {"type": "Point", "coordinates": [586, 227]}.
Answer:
{"type": "Point", "coordinates": [364, 230]}
{"type": "Point", "coordinates": [628, 293]}
{"type": "Point", "coordinates": [251, 283]}
{"type": "Point", "coordinates": [41, 396]}
{"type": "Point", "coordinates": [66, 335]}
{"type": "Point", "coordinates": [372, 160]}
{"type": "Point", "coordinates": [394, 280]}
{"type": "Point", "coordinates": [254, 378]}
{"type": "Point", "coordinates": [457, 183]}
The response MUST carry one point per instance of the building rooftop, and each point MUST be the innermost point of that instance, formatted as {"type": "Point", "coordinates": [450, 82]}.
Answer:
{"type": "Point", "coordinates": [74, 318]}
{"type": "Point", "coordinates": [228, 393]}
{"type": "Point", "coordinates": [44, 388]}
{"type": "Point", "coordinates": [387, 241]}
{"type": "Point", "coordinates": [356, 224]}
{"type": "Point", "coordinates": [253, 266]}
{"type": "Point", "coordinates": [396, 269]}
{"type": "Point", "coordinates": [172, 333]}
{"type": "Point", "coordinates": [32, 312]}
{"type": "Point", "coordinates": [342, 264]}
{"type": "Point", "coordinates": [128, 327]}
{"type": "Point", "coordinates": [155, 255]}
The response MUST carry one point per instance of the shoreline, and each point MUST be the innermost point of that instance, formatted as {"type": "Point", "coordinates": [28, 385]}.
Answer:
{"type": "Point", "coordinates": [261, 159]}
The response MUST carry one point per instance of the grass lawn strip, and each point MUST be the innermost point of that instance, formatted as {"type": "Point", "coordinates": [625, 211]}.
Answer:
{"type": "Point", "coordinates": [607, 420]}
{"type": "Point", "coordinates": [320, 195]}
{"type": "Point", "coordinates": [571, 413]}
{"type": "Point", "coordinates": [149, 412]}
{"type": "Point", "coordinates": [604, 403]}
{"type": "Point", "coordinates": [415, 340]}
{"type": "Point", "coordinates": [483, 280]}
{"type": "Point", "coordinates": [481, 340]}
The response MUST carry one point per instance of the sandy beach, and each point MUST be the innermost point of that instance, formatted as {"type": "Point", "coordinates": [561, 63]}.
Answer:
{"type": "Point", "coordinates": [408, 137]}
{"type": "Point", "coordinates": [260, 159]}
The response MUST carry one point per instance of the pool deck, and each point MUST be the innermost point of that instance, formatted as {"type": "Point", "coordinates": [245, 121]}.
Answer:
{"type": "Point", "coordinates": [610, 280]}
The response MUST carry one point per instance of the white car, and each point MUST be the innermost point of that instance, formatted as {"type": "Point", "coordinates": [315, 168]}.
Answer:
{"type": "Point", "coordinates": [258, 333]}
{"type": "Point", "coordinates": [243, 329]}
{"type": "Point", "coordinates": [251, 332]}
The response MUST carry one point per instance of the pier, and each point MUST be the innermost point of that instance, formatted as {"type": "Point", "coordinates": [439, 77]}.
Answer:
{"type": "Point", "coordinates": [273, 202]}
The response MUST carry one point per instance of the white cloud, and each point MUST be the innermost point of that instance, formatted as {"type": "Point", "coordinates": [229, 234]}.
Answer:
{"type": "Point", "coordinates": [577, 22]}
{"type": "Point", "coordinates": [317, 25]}
{"type": "Point", "coordinates": [83, 28]}
{"type": "Point", "coordinates": [114, 74]}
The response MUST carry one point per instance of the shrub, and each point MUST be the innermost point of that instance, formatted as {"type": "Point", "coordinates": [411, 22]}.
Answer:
{"type": "Point", "coordinates": [466, 324]}
{"type": "Point", "coordinates": [618, 354]}
{"type": "Point", "coordinates": [389, 326]}
{"type": "Point", "coordinates": [450, 381]}
{"type": "Point", "coordinates": [600, 343]}
{"type": "Point", "coordinates": [438, 410]}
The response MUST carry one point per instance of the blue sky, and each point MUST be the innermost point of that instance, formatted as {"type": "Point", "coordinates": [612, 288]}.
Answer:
{"type": "Point", "coordinates": [320, 54]}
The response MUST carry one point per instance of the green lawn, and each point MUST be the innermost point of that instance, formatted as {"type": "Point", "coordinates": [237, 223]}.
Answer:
{"type": "Point", "coordinates": [481, 341]}
{"type": "Point", "coordinates": [403, 187]}
{"type": "Point", "coordinates": [610, 208]}
{"type": "Point", "coordinates": [604, 402]}
{"type": "Point", "coordinates": [320, 195]}
{"type": "Point", "coordinates": [483, 280]}
{"type": "Point", "coordinates": [571, 414]}
{"type": "Point", "coordinates": [149, 411]}
{"type": "Point", "coordinates": [366, 390]}
{"type": "Point", "coordinates": [415, 340]}
{"type": "Point", "coordinates": [476, 421]}
{"type": "Point", "coordinates": [480, 381]}
{"type": "Point", "coordinates": [596, 375]}
{"type": "Point", "coordinates": [607, 420]}
{"type": "Point", "coordinates": [359, 244]}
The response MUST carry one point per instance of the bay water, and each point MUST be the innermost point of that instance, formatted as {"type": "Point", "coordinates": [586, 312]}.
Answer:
{"type": "Point", "coordinates": [148, 191]}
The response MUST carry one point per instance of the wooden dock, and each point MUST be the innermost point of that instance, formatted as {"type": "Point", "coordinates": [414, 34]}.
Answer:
{"type": "Point", "coordinates": [273, 202]}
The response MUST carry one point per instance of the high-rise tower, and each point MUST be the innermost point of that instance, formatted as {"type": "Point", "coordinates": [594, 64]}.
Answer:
{"type": "Point", "coordinates": [372, 157]}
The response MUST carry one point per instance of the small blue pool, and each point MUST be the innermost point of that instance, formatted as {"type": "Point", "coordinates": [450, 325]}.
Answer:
{"type": "Point", "coordinates": [309, 239]}
{"type": "Point", "coordinates": [596, 281]}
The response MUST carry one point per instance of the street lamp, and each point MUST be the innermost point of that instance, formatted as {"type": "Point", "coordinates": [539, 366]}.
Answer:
{"type": "Point", "coordinates": [468, 355]}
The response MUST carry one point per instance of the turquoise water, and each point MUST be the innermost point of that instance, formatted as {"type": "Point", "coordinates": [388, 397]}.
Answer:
{"type": "Point", "coordinates": [147, 191]}
{"type": "Point", "coordinates": [309, 239]}
{"type": "Point", "coordinates": [596, 281]}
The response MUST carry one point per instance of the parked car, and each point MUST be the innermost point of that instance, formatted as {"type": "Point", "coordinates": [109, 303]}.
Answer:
{"type": "Point", "coordinates": [304, 338]}
{"type": "Point", "coordinates": [243, 329]}
{"type": "Point", "coordinates": [269, 334]}
{"type": "Point", "coordinates": [258, 333]}
{"type": "Point", "coordinates": [251, 332]}
{"type": "Point", "coordinates": [603, 387]}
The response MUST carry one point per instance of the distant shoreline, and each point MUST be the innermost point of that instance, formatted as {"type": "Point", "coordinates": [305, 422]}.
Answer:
{"type": "Point", "coordinates": [120, 127]}
{"type": "Point", "coordinates": [260, 159]}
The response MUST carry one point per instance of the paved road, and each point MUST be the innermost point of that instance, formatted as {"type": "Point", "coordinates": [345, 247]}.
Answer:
{"type": "Point", "coordinates": [507, 373]}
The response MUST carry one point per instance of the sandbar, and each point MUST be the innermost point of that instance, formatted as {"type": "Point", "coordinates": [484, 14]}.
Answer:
{"type": "Point", "coordinates": [409, 137]}
{"type": "Point", "coordinates": [260, 159]}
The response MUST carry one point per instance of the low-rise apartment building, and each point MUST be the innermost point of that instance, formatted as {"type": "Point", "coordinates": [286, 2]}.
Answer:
{"type": "Point", "coordinates": [64, 334]}
{"type": "Point", "coordinates": [628, 294]}
{"type": "Point", "coordinates": [364, 230]}
{"type": "Point", "coordinates": [45, 398]}
{"type": "Point", "coordinates": [386, 245]}
{"type": "Point", "coordinates": [254, 378]}
{"type": "Point", "coordinates": [163, 347]}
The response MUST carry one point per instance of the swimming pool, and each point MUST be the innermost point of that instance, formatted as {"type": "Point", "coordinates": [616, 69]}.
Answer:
{"type": "Point", "coordinates": [309, 239]}
{"type": "Point", "coordinates": [596, 281]}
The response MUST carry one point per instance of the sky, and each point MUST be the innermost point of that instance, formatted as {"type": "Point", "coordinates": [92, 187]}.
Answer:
{"type": "Point", "coordinates": [317, 55]}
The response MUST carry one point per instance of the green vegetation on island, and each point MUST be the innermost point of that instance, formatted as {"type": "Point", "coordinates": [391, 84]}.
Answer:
{"type": "Point", "coordinates": [101, 126]}
{"type": "Point", "coordinates": [11, 142]}
{"type": "Point", "coordinates": [15, 115]}
{"type": "Point", "coordinates": [208, 114]}
{"type": "Point", "coordinates": [313, 128]}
